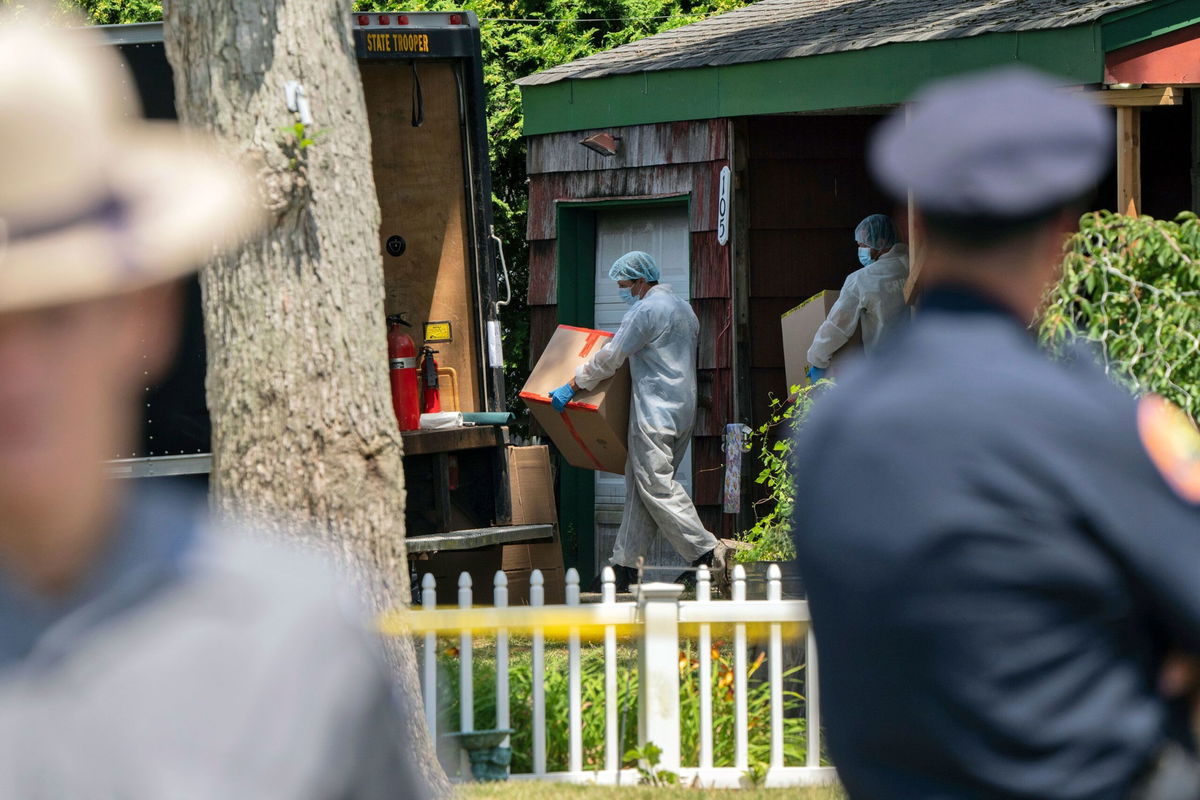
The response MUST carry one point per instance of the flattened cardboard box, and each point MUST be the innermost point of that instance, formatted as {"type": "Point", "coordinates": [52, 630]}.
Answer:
{"type": "Point", "coordinates": [482, 564]}
{"type": "Point", "coordinates": [592, 431]}
{"type": "Point", "coordinates": [531, 485]}
{"type": "Point", "coordinates": [799, 327]}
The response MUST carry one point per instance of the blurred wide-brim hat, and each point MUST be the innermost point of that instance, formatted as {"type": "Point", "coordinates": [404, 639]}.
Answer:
{"type": "Point", "coordinates": [95, 200]}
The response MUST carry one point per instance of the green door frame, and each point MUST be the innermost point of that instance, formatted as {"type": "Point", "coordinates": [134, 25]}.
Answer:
{"type": "Point", "coordinates": [576, 225]}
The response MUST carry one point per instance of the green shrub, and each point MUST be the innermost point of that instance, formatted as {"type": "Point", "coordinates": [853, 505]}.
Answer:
{"type": "Point", "coordinates": [592, 694]}
{"type": "Point", "coordinates": [770, 539]}
{"type": "Point", "coordinates": [1131, 285]}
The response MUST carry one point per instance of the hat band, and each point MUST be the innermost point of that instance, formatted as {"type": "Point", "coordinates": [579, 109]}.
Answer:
{"type": "Point", "coordinates": [111, 211]}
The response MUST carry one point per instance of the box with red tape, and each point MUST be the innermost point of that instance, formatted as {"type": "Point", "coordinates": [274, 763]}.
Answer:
{"type": "Point", "coordinates": [591, 432]}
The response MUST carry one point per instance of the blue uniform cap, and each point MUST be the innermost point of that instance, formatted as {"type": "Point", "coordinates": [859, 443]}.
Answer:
{"type": "Point", "coordinates": [635, 265]}
{"type": "Point", "coordinates": [1006, 143]}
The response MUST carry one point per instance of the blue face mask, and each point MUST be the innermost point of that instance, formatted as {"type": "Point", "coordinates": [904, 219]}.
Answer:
{"type": "Point", "coordinates": [626, 295]}
{"type": "Point", "coordinates": [864, 256]}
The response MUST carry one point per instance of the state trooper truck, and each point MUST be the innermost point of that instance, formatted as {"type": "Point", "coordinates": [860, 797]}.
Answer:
{"type": "Point", "coordinates": [422, 79]}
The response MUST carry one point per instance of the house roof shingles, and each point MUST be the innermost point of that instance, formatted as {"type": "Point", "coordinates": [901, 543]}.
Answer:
{"type": "Point", "coordinates": [777, 29]}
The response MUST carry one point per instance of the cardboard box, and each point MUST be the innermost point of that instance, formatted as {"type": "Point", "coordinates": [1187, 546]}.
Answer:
{"type": "Point", "coordinates": [520, 560]}
{"type": "Point", "coordinates": [554, 583]}
{"type": "Point", "coordinates": [799, 328]}
{"type": "Point", "coordinates": [592, 431]}
{"type": "Point", "coordinates": [531, 486]}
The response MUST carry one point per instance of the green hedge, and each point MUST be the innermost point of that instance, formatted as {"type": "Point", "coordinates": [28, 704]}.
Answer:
{"type": "Point", "coordinates": [1131, 285]}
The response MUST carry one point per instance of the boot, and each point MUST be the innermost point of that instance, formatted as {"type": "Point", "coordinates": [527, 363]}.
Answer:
{"type": "Point", "coordinates": [626, 577]}
{"type": "Point", "coordinates": [717, 561]}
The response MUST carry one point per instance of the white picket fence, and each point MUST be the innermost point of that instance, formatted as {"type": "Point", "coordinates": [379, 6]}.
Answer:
{"type": "Point", "coordinates": [655, 617]}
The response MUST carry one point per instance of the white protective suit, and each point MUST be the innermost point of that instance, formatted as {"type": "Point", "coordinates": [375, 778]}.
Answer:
{"type": "Point", "coordinates": [871, 297]}
{"type": "Point", "coordinates": [658, 335]}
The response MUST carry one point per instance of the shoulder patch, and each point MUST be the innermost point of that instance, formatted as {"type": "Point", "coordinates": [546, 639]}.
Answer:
{"type": "Point", "coordinates": [1173, 444]}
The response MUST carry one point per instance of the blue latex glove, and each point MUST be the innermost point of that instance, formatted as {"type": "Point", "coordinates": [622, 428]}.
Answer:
{"type": "Point", "coordinates": [815, 374]}
{"type": "Point", "coordinates": [561, 396]}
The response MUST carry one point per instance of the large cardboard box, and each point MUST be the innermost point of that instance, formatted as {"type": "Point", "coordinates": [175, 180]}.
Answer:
{"type": "Point", "coordinates": [800, 328]}
{"type": "Point", "coordinates": [591, 432]}
{"type": "Point", "coordinates": [531, 486]}
{"type": "Point", "coordinates": [520, 560]}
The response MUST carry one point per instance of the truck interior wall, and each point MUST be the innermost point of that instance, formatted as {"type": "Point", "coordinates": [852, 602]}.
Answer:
{"type": "Point", "coordinates": [175, 417]}
{"type": "Point", "coordinates": [420, 179]}
{"type": "Point", "coordinates": [808, 189]}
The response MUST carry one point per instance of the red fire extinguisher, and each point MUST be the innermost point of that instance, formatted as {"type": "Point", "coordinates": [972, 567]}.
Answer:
{"type": "Point", "coordinates": [402, 358]}
{"type": "Point", "coordinates": [431, 398]}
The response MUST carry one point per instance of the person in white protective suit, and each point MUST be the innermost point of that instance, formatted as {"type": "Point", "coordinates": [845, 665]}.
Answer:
{"type": "Point", "coordinates": [872, 298]}
{"type": "Point", "coordinates": [658, 337]}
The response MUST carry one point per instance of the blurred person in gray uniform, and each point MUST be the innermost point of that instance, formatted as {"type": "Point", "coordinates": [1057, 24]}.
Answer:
{"type": "Point", "coordinates": [145, 652]}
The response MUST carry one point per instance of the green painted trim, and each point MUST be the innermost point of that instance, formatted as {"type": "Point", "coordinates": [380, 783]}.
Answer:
{"type": "Point", "coordinates": [681, 199]}
{"type": "Point", "coordinates": [1147, 22]}
{"type": "Point", "coordinates": [576, 306]}
{"type": "Point", "coordinates": [879, 76]}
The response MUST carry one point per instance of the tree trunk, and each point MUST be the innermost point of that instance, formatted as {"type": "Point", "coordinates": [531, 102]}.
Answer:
{"type": "Point", "coordinates": [303, 431]}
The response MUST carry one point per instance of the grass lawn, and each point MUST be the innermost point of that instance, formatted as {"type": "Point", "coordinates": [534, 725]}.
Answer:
{"type": "Point", "coordinates": [530, 790]}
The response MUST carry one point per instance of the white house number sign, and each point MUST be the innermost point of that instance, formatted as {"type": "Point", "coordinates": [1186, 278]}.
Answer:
{"type": "Point", "coordinates": [723, 208]}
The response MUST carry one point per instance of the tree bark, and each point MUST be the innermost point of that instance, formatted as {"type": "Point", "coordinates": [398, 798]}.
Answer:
{"type": "Point", "coordinates": [303, 432]}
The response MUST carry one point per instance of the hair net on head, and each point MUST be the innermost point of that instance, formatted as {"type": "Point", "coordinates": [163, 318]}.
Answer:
{"type": "Point", "coordinates": [876, 231]}
{"type": "Point", "coordinates": [634, 265]}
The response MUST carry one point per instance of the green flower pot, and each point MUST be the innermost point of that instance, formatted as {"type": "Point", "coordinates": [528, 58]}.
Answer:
{"type": "Point", "coordinates": [489, 761]}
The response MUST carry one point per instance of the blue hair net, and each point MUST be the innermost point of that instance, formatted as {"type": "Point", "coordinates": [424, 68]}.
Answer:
{"type": "Point", "coordinates": [877, 231]}
{"type": "Point", "coordinates": [634, 265]}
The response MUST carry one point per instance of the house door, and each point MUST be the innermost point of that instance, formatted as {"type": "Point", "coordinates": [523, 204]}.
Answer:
{"type": "Point", "coordinates": [661, 231]}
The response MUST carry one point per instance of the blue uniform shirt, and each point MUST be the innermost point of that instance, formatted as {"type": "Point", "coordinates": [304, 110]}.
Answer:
{"type": "Point", "coordinates": [994, 565]}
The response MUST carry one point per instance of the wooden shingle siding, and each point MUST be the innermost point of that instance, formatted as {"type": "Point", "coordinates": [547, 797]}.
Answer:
{"type": "Point", "coordinates": [641, 146]}
{"type": "Point", "coordinates": [716, 330]}
{"type": "Point", "coordinates": [708, 482]}
{"type": "Point", "coordinates": [542, 322]}
{"type": "Point", "coordinates": [710, 266]}
{"type": "Point", "coordinates": [714, 402]}
{"type": "Point", "coordinates": [699, 181]}
{"type": "Point", "coordinates": [543, 273]}
{"type": "Point", "coordinates": [808, 189]}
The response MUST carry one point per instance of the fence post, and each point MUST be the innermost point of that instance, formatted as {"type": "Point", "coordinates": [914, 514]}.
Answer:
{"type": "Point", "coordinates": [500, 594]}
{"type": "Point", "coordinates": [466, 677]}
{"type": "Point", "coordinates": [704, 657]}
{"type": "Point", "coordinates": [612, 753]}
{"type": "Point", "coordinates": [574, 690]}
{"type": "Point", "coordinates": [741, 722]}
{"type": "Point", "coordinates": [429, 603]}
{"type": "Point", "coordinates": [658, 670]}
{"type": "Point", "coordinates": [537, 597]}
{"type": "Point", "coordinates": [775, 666]}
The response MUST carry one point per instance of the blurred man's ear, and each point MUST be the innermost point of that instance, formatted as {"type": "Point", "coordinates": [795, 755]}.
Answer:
{"type": "Point", "coordinates": [159, 311]}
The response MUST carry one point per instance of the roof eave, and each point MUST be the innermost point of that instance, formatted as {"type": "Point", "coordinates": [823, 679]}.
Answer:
{"type": "Point", "coordinates": [877, 76]}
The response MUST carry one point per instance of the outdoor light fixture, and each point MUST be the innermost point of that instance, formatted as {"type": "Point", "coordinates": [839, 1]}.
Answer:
{"type": "Point", "coordinates": [603, 143]}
